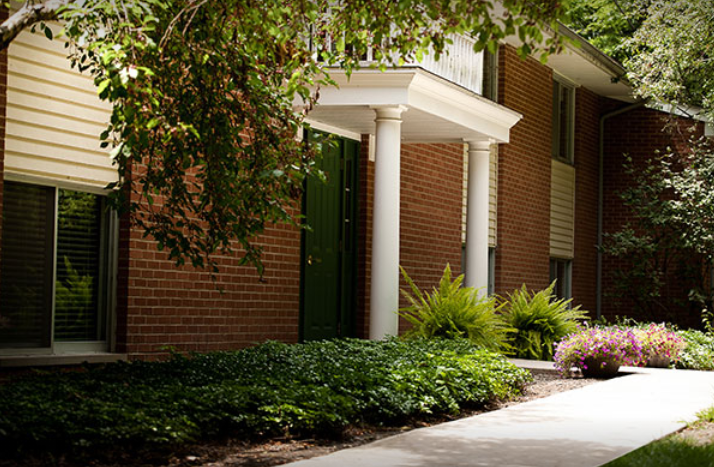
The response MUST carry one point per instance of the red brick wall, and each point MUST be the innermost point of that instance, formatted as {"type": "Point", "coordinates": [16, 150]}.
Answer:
{"type": "Point", "coordinates": [365, 205]}
{"type": "Point", "coordinates": [638, 133]}
{"type": "Point", "coordinates": [587, 134]}
{"type": "Point", "coordinates": [430, 214]}
{"type": "Point", "coordinates": [162, 305]}
{"type": "Point", "coordinates": [522, 253]}
{"type": "Point", "coordinates": [430, 218]}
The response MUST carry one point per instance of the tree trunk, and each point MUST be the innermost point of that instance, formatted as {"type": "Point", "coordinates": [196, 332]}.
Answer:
{"type": "Point", "coordinates": [25, 17]}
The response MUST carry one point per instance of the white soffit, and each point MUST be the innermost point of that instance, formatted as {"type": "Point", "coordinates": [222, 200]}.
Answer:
{"type": "Point", "coordinates": [438, 111]}
{"type": "Point", "coordinates": [588, 74]}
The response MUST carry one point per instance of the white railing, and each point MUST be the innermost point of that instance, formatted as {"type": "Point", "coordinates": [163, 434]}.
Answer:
{"type": "Point", "coordinates": [458, 64]}
{"type": "Point", "coordinates": [461, 65]}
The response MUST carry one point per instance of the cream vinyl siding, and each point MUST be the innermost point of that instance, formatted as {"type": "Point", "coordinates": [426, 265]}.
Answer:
{"type": "Point", "coordinates": [492, 195]}
{"type": "Point", "coordinates": [54, 117]}
{"type": "Point", "coordinates": [562, 210]}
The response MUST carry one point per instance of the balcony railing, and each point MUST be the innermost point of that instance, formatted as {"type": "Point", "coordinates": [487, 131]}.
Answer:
{"type": "Point", "coordinates": [458, 64]}
{"type": "Point", "coordinates": [461, 65]}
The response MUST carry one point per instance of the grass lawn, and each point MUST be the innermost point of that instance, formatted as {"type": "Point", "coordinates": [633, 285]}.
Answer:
{"type": "Point", "coordinates": [693, 447]}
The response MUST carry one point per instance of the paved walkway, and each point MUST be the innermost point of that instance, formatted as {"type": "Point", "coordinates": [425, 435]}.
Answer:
{"type": "Point", "coordinates": [585, 427]}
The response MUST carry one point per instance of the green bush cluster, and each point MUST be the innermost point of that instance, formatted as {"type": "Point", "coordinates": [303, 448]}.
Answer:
{"type": "Point", "coordinates": [698, 354]}
{"type": "Point", "coordinates": [525, 324]}
{"type": "Point", "coordinates": [451, 311]}
{"type": "Point", "coordinates": [539, 320]}
{"type": "Point", "coordinates": [269, 389]}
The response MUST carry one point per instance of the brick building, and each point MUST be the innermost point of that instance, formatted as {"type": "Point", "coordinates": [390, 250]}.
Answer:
{"type": "Point", "coordinates": [489, 163]}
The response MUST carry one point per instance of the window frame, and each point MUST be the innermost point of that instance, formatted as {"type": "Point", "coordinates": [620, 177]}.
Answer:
{"type": "Point", "coordinates": [490, 70]}
{"type": "Point", "coordinates": [491, 287]}
{"type": "Point", "coordinates": [109, 228]}
{"type": "Point", "coordinates": [567, 155]}
{"type": "Point", "coordinates": [567, 286]}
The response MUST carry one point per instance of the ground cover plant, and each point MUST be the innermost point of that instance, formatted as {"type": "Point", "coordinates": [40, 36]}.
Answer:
{"type": "Point", "coordinates": [698, 353]}
{"type": "Point", "coordinates": [315, 388]}
{"type": "Point", "coordinates": [539, 320]}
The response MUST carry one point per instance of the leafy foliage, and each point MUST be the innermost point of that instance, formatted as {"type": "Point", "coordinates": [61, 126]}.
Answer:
{"type": "Point", "coordinates": [452, 311]}
{"type": "Point", "coordinates": [666, 49]}
{"type": "Point", "coordinates": [698, 354]}
{"type": "Point", "coordinates": [209, 96]}
{"type": "Point", "coordinates": [270, 389]}
{"type": "Point", "coordinates": [671, 234]}
{"type": "Point", "coordinates": [671, 57]}
{"type": "Point", "coordinates": [607, 24]}
{"type": "Point", "coordinates": [539, 319]}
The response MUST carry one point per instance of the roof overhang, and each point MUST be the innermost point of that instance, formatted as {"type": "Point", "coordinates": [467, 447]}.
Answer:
{"type": "Point", "coordinates": [582, 63]}
{"type": "Point", "coordinates": [437, 110]}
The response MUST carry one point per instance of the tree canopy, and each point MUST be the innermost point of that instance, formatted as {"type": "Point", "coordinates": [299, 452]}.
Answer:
{"type": "Point", "coordinates": [607, 24]}
{"type": "Point", "coordinates": [665, 45]}
{"type": "Point", "coordinates": [672, 54]}
{"type": "Point", "coordinates": [204, 120]}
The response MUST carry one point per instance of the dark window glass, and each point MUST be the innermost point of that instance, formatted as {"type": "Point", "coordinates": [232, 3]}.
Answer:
{"type": "Point", "coordinates": [79, 251]}
{"type": "Point", "coordinates": [27, 260]}
{"type": "Point", "coordinates": [561, 273]}
{"type": "Point", "coordinates": [563, 122]}
{"type": "Point", "coordinates": [39, 267]}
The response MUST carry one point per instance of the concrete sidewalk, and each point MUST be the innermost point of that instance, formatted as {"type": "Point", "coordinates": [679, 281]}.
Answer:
{"type": "Point", "coordinates": [585, 427]}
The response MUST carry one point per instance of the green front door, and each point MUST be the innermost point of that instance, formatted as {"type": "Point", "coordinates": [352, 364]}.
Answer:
{"type": "Point", "coordinates": [328, 259]}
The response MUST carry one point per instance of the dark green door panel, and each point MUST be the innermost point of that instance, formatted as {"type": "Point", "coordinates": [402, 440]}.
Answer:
{"type": "Point", "coordinates": [328, 246]}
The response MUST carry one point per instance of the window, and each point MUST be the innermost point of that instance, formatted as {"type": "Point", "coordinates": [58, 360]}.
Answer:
{"type": "Point", "coordinates": [563, 122]}
{"type": "Point", "coordinates": [490, 75]}
{"type": "Point", "coordinates": [561, 271]}
{"type": "Point", "coordinates": [54, 292]}
{"type": "Point", "coordinates": [491, 270]}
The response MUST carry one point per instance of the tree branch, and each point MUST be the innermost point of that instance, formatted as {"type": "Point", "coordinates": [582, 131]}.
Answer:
{"type": "Point", "coordinates": [25, 17]}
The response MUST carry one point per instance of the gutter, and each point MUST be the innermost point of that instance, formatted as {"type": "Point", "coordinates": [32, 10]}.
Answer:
{"type": "Point", "coordinates": [601, 195]}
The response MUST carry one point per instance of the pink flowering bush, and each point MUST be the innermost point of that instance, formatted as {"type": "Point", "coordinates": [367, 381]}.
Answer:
{"type": "Point", "coordinates": [657, 340]}
{"type": "Point", "coordinates": [604, 344]}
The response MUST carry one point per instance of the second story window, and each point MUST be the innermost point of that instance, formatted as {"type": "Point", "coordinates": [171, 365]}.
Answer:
{"type": "Point", "coordinates": [490, 75]}
{"type": "Point", "coordinates": [563, 122]}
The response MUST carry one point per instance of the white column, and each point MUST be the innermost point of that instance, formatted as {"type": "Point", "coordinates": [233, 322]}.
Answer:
{"type": "Point", "coordinates": [477, 216]}
{"type": "Point", "coordinates": [384, 289]}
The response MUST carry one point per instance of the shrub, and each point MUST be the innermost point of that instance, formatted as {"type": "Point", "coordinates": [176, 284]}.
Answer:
{"type": "Point", "coordinates": [452, 311]}
{"type": "Point", "coordinates": [698, 354]}
{"type": "Point", "coordinates": [269, 389]}
{"type": "Point", "coordinates": [621, 346]}
{"type": "Point", "coordinates": [539, 319]}
{"type": "Point", "coordinates": [658, 340]}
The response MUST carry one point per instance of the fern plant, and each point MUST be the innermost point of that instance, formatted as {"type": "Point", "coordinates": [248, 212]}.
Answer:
{"type": "Point", "coordinates": [451, 311]}
{"type": "Point", "coordinates": [539, 320]}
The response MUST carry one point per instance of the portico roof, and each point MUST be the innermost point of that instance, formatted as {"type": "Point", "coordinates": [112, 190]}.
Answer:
{"type": "Point", "coordinates": [437, 110]}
